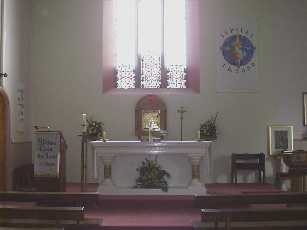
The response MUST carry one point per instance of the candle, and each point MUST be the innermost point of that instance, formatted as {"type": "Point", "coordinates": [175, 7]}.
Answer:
{"type": "Point", "coordinates": [198, 134]}
{"type": "Point", "coordinates": [84, 122]}
{"type": "Point", "coordinates": [104, 135]}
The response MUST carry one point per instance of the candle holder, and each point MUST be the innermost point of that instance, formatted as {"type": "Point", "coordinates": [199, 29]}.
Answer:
{"type": "Point", "coordinates": [83, 160]}
{"type": "Point", "coordinates": [84, 137]}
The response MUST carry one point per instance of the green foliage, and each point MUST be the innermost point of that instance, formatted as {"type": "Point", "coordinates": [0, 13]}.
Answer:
{"type": "Point", "coordinates": [208, 128]}
{"type": "Point", "coordinates": [94, 129]}
{"type": "Point", "coordinates": [151, 175]}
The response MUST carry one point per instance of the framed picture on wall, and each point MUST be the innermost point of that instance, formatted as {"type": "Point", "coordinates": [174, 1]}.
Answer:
{"type": "Point", "coordinates": [280, 138]}
{"type": "Point", "coordinates": [305, 108]}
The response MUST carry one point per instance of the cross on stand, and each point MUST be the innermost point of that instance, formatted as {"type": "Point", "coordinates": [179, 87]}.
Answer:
{"type": "Point", "coordinates": [181, 111]}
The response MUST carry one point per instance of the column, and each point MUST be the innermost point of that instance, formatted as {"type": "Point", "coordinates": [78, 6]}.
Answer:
{"type": "Point", "coordinates": [195, 163]}
{"type": "Point", "coordinates": [107, 171]}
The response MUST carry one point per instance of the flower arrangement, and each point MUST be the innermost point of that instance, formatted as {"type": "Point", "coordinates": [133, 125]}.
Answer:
{"type": "Point", "coordinates": [151, 175]}
{"type": "Point", "coordinates": [94, 129]}
{"type": "Point", "coordinates": [208, 129]}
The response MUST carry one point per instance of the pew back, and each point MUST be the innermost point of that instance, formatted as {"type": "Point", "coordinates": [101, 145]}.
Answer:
{"type": "Point", "coordinates": [87, 199]}
{"type": "Point", "coordinates": [266, 210]}
{"type": "Point", "coordinates": [47, 210]}
{"type": "Point", "coordinates": [220, 201]}
{"type": "Point", "coordinates": [40, 212]}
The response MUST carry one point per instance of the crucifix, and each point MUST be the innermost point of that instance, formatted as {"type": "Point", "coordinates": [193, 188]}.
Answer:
{"type": "Point", "coordinates": [181, 111]}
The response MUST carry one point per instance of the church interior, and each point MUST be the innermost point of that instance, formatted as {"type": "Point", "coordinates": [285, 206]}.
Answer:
{"type": "Point", "coordinates": [220, 143]}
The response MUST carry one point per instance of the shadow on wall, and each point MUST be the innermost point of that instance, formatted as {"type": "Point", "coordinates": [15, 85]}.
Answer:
{"type": "Point", "coordinates": [221, 169]}
{"type": "Point", "coordinates": [222, 172]}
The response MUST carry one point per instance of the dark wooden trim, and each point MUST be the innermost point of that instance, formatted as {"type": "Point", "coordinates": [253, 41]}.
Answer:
{"type": "Point", "coordinates": [204, 226]}
{"type": "Point", "coordinates": [90, 224]}
{"type": "Point", "coordinates": [217, 201]}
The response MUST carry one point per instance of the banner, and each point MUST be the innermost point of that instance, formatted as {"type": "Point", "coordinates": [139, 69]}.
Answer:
{"type": "Point", "coordinates": [236, 57]}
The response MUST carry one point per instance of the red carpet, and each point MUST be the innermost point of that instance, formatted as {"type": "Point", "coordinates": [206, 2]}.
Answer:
{"type": "Point", "coordinates": [158, 212]}
{"type": "Point", "coordinates": [179, 218]}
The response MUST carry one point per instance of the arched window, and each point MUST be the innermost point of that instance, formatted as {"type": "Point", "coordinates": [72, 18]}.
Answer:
{"type": "Point", "coordinates": [150, 44]}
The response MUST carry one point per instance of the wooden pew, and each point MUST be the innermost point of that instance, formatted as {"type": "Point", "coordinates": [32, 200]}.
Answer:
{"type": "Point", "coordinates": [47, 209]}
{"type": "Point", "coordinates": [19, 216]}
{"type": "Point", "coordinates": [88, 199]}
{"type": "Point", "coordinates": [253, 211]}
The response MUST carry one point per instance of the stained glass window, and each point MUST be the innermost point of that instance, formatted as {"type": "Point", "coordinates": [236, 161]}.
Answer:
{"type": "Point", "coordinates": [150, 43]}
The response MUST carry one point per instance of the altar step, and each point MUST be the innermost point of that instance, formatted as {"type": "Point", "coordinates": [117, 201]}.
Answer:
{"type": "Point", "coordinates": [146, 201]}
{"type": "Point", "coordinates": [144, 218]}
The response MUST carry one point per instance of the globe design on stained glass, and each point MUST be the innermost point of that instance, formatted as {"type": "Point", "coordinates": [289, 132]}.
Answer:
{"type": "Point", "coordinates": [238, 50]}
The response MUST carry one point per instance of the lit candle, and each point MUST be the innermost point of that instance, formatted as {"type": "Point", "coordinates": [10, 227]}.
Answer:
{"type": "Point", "coordinates": [84, 122]}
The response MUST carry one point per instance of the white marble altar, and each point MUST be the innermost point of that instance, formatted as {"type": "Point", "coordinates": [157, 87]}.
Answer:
{"type": "Point", "coordinates": [188, 162]}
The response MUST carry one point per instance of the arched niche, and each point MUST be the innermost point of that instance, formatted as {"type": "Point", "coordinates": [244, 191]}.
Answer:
{"type": "Point", "coordinates": [150, 108]}
{"type": "Point", "coordinates": [4, 137]}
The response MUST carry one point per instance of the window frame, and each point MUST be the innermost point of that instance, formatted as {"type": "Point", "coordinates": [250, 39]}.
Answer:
{"type": "Point", "coordinates": [193, 55]}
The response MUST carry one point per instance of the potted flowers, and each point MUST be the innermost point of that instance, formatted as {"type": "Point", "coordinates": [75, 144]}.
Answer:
{"type": "Point", "coordinates": [95, 129]}
{"type": "Point", "coordinates": [207, 130]}
{"type": "Point", "coordinates": [151, 175]}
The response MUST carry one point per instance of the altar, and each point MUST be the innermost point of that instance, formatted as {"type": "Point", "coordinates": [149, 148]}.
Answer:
{"type": "Point", "coordinates": [188, 163]}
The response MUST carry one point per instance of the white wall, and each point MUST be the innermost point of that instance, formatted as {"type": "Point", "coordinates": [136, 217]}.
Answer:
{"type": "Point", "coordinates": [16, 63]}
{"type": "Point", "coordinates": [66, 77]}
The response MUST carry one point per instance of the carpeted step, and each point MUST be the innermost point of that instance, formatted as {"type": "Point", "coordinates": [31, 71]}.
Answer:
{"type": "Point", "coordinates": [146, 201]}
{"type": "Point", "coordinates": [147, 228]}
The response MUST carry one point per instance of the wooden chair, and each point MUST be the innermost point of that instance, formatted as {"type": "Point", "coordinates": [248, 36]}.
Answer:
{"type": "Point", "coordinates": [246, 161]}
{"type": "Point", "coordinates": [23, 178]}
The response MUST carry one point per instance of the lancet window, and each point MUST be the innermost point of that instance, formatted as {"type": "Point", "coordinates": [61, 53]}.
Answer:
{"type": "Point", "coordinates": [150, 41]}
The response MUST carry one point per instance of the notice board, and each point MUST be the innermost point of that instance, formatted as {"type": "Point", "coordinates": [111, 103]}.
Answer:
{"type": "Point", "coordinates": [49, 160]}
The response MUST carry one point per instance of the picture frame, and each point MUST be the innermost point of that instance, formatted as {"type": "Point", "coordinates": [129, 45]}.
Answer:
{"type": "Point", "coordinates": [280, 139]}
{"type": "Point", "coordinates": [305, 108]}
